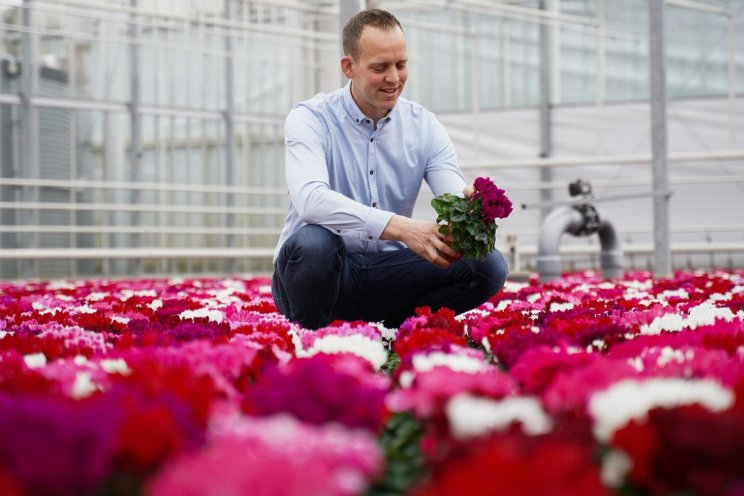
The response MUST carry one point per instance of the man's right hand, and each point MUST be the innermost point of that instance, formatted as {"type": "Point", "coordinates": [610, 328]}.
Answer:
{"type": "Point", "coordinates": [423, 238]}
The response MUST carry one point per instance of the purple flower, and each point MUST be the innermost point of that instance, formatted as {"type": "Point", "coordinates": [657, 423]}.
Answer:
{"type": "Point", "coordinates": [55, 446]}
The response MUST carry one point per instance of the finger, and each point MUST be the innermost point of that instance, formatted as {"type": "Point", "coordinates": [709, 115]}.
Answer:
{"type": "Point", "coordinates": [446, 249]}
{"type": "Point", "coordinates": [468, 191]}
{"type": "Point", "coordinates": [448, 257]}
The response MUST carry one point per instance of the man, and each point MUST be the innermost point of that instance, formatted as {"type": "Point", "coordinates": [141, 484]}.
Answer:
{"type": "Point", "coordinates": [355, 161]}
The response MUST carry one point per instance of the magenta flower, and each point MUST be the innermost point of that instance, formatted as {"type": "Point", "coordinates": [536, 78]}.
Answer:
{"type": "Point", "coordinates": [56, 446]}
{"type": "Point", "coordinates": [495, 203]}
{"type": "Point", "coordinates": [322, 389]}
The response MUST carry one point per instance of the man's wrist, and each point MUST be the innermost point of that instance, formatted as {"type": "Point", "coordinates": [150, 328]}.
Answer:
{"type": "Point", "coordinates": [394, 228]}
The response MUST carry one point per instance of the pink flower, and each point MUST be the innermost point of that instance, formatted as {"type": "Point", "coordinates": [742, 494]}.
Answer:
{"type": "Point", "coordinates": [430, 390]}
{"type": "Point", "coordinates": [275, 456]}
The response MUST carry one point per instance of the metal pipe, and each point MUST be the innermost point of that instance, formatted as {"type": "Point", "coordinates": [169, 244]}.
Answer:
{"type": "Point", "coordinates": [571, 220]}
{"type": "Point", "coordinates": [560, 220]}
{"type": "Point", "coordinates": [610, 255]}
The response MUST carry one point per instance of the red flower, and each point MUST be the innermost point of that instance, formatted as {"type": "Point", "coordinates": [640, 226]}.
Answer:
{"type": "Point", "coordinates": [516, 464]}
{"type": "Point", "coordinates": [148, 435]}
{"type": "Point", "coordinates": [16, 377]}
{"type": "Point", "coordinates": [10, 486]}
{"type": "Point", "coordinates": [685, 449]}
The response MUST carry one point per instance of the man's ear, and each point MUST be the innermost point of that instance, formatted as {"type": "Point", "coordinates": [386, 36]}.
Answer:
{"type": "Point", "coordinates": [347, 66]}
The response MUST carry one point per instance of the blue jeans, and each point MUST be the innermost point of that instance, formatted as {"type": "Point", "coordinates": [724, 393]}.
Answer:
{"type": "Point", "coordinates": [316, 281]}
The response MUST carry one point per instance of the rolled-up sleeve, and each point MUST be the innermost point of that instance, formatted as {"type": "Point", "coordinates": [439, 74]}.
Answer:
{"type": "Point", "coordinates": [307, 144]}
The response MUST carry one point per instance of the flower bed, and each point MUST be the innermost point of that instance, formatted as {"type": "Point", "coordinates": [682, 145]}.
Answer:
{"type": "Point", "coordinates": [199, 387]}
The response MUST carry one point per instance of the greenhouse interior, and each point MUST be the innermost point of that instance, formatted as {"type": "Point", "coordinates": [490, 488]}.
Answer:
{"type": "Point", "coordinates": [145, 196]}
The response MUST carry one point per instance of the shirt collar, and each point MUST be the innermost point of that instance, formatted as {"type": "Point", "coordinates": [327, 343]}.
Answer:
{"type": "Point", "coordinates": [353, 109]}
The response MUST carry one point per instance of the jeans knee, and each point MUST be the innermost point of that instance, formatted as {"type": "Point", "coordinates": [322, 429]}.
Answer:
{"type": "Point", "coordinates": [491, 273]}
{"type": "Point", "coordinates": [315, 247]}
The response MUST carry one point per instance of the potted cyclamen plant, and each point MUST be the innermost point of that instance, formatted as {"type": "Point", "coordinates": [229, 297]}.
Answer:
{"type": "Point", "coordinates": [472, 221]}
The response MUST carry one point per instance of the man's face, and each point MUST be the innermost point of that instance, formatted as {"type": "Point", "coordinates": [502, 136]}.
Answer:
{"type": "Point", "coordinates": [379, 72]}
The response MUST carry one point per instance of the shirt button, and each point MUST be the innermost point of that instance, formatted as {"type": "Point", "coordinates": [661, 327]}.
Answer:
{"type": "Point", "coordinates": [371, 140]}
{"type": "Point", "coordinates": [374, 204]}
{"type": "Point", "coordinates": [338, 230]}
{"type": "Point", "coordinates": [371, 172]}
{"type": "Point", "coordinates": [371, 238]}
{"type": "Point", "coordinates": [367, 121]}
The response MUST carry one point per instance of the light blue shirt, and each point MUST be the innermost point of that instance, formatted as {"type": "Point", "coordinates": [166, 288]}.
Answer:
{"type": "Point", "coordinates": [350, 177]}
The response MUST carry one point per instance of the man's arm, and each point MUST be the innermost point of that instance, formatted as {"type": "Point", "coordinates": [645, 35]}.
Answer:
{"type": "Point", "coordinates": [443, 176]}
{"type": "Point", "coordinates": [422, 237]}
{"type": "Point", "coordinates": [309, 185]}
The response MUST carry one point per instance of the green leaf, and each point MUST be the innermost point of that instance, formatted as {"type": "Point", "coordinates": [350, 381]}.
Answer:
{"type": "Point", "coordinates": [404, 462]}
{"type": "Point", "coordinates": [458, 217]}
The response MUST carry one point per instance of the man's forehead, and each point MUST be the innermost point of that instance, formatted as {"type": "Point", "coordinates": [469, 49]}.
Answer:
{"type": "Point", "coordinates": [382, 44]}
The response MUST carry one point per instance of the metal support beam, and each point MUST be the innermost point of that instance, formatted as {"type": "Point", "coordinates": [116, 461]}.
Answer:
{"type": "Point", "coordinates": [546, 142]}
{"type": "Point", "coordinates": [135, 152]}
{"type": "Point", "coordinates": [657, 63]}
{"type": "Point", "coordinates": [29, 166]}
{"type": "Point", "coordinates": [229, 134]}
{"type": "Point", "coordinates": [347, 9]}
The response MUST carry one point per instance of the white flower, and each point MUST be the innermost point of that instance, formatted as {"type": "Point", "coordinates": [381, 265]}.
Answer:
{"type": "Point", "coordinates": [454, 361]}
{"type": "Point", "coordinates": [96, 296]}
{"type": "Point", "coordinates": [669, 355]}
{"type": "Point", "coordinates": [83, 386]}
{"type": "Point", "coordinates": [59, 285]}
{"type": "Point", "coordinates": [471, 416]}
{"type": "Point", "coordinates": [503, 305]}
{"type": "Point", "coordinates": [406, 379]}
{"type": "Point", "coordinates": [213, 315]}
{"type": "Point", "coordinates": [674, 293]}
{"type": "Point", "coordinates": [120, 319]}
{"type": "Point", "coordinates": [387, 334]}
{"type": "Point", "coordinates": [561, 307]}
{"type": "Point", "coordinates": [371, 350]}
{"type": "Point", "coordinates": [630, 399]}
{"type": "Point", "coordinates": [615, 467]}
{"type": "Point", "coordinates": [80, 360]}
{"type": "Point", "coordinates": [636, 363]}
{"type": "Point", "coordinates": [117, 366]}
{"type": "Point", "coordinates": [35, 360]}
{"type": "Point", "coordinates": [666, 322]}
{"type": "Point", "coordinates": [707, 313]}
{"type": "Point", "coordinates": [701, 315]}
{"type": "Point", "coordinates": [155, 304]}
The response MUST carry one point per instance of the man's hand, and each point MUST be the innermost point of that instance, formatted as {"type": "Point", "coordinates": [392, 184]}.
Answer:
{"type": "Point", "coordinates": [423, 238]}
